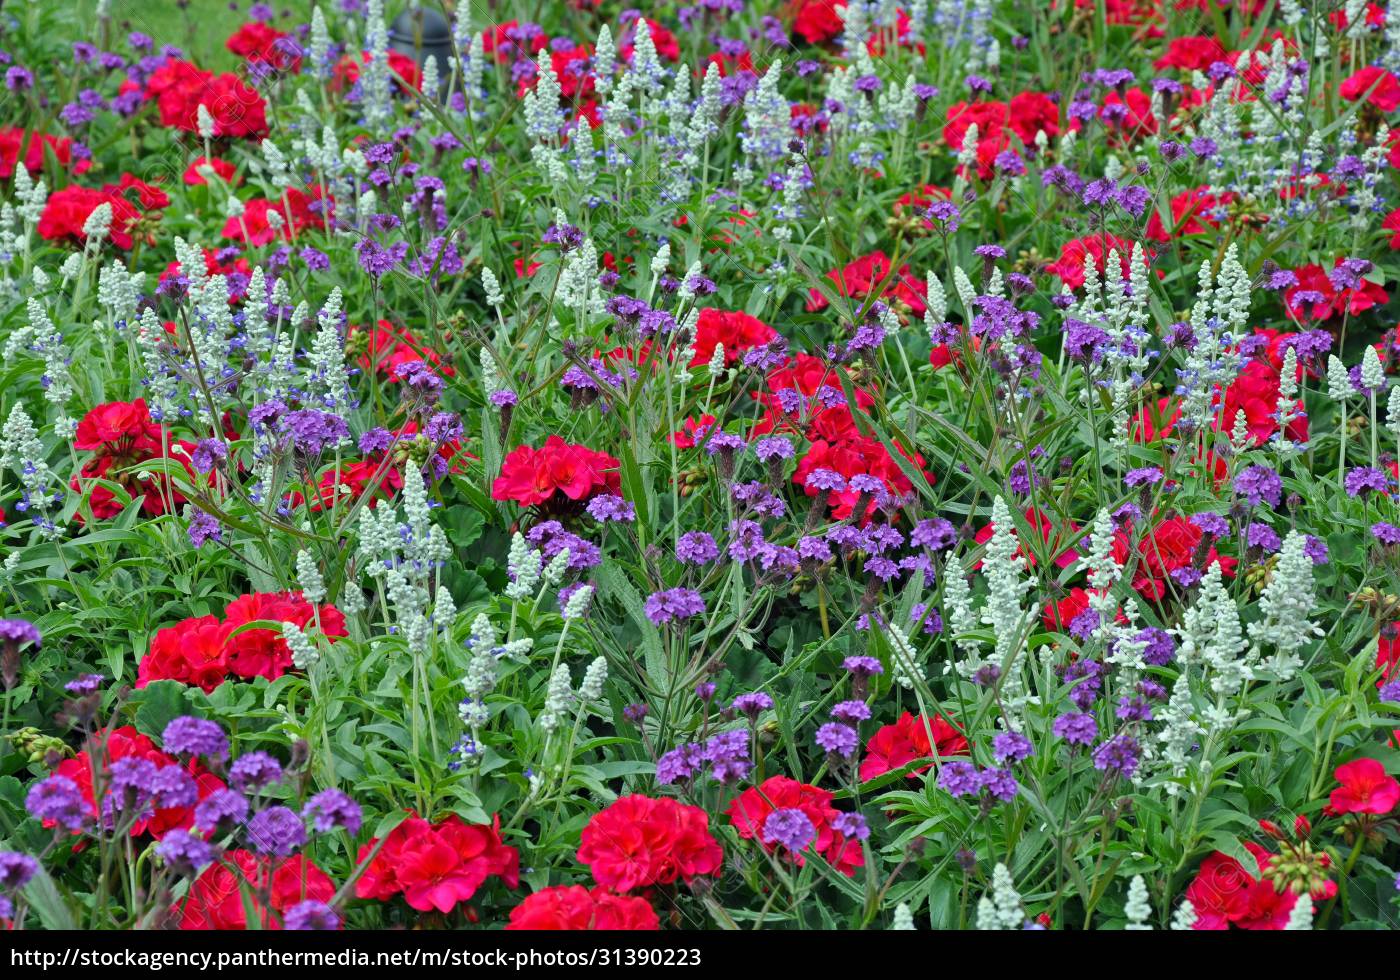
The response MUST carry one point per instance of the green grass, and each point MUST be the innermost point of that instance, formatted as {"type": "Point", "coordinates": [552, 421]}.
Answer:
{"type": "Point", "coordinates": [202, 28]}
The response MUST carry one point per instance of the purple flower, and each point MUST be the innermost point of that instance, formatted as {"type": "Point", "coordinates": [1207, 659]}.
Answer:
{"type": "Point", "coordinates": [311, 914]}
{"type": "Point", "coordinates": [254, 771]}
{"type": "Point", "coordinates": [1263, 537]}
{"type": "Point", "coordinates": [696, 548]}
{"type": "Point", "coordinates": [276, 831]}
{"type": "Point", "coordinates": [673, 604]}
{"type": "Point", "coordinates": [824, 479]}
{"type": "Point", "coordinates": [863, 666]}
{"type": "Point", "coordinates": [1259, 483]}
{"type": "Point", "coordinates": [1118, 755]}
{"type": "Point", "coordinates": [610, 507]}
{"type": "Point", "coordinates": [1385, 533]}
{"type": "Point", "coordinates": [1391, 691]}
{"type": "Point", "coordinates": [188, 735]}
{"type": "Point", "coordinates": [959, 777]}
{"type": "Point", "coordinates": [1158, 647]}
{"type": "Point", "coordinates": [15, 870]}
{"type": "Point", "coordinates": [851, 712]}
{"type": "Point", "coordinates": [1364, 480]}
{"type": "Point", "coordinates": [772, 448]}
{"type": "Point", "coordinates": [682, 763]}
{"type": "Point", "coordinates": [791, 828]}
{"type": "Point", "coordinates": [1212, 524]}
{"type": "Point", "coordinates": [1076, 728]}
{"type": "Point", "coordinates": [184, 853]}
{"type": "Point", "coordinates": [58, 799]}
{"type": "Point", "coordinates": [851, 825]}
{"type": "Point", "coordinates": [84, 684]}
{"type": "Point", "coordinates": [1011, 747]}
{"type": "Point", "coordinates": [838, 738]}
{"type": "Point", "coordinates": [313, 432]}
{"type": "Point", "coordinates": [204, 527]}
{"type": "Point", "coordinates": [999, 784]}
{"type": "Point", "coordinates": [752, 704]}
{"type": "Point", "coordinates": [220, 812]}
{"type": "Point", "coordinates": [332, 808]}
{"type": "Point", "coordinates": [16, 632]}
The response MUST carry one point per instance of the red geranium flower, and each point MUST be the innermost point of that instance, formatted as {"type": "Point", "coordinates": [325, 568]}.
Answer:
{"type": "Point", "coordinates": [857, 456]}
{"type": "Point", "coordinates": [1062, 556]}
{"type": "Point", "coordinates": [1196, 52]}
{"type": "Point", "coordinates": [263, 652]}
{"type": "Point", "coordinates": [437, 865]}
{"type": "Point", "coordinates": [191, 652]}
{"type": "Point", "coordinates": [1070, 267]}
{"type": "Point", "coordinates": [223, 168]}
{"type": "Point", "coordinates": [118, 429]}
{"type": "Point", "coordinates": [895, 746]}
{"type": "Point", "coordinates": [750, 809]}
{"type": "Point", "coordinates": [1193, 213]}
{"type": "Point", "coordinates": [390, 347]}
{"type": "Point", "coordinates": [218, 896]}
{"type": "Point", "coordinates": [127, 742]}
{"type": "Point", "coordinates": [300, 211]}
{"type": "Point", "coordinates": [1168, 547]}
{"type": "Point", "coordinates": [1365, 788]}
{"type": "Point", "coordinates": [1386, 94]}
{"type": "Point", "coordinates": [817, 21]}
{"type": "Point", "coordinates": [868, 276]}
{"type": "Point", "coordinates": [1226, 893]}
{"type": "Point", "coordinates": [639, 842]}
{"type": "Point", "coordinates": [35, 145]}
{"type": "Point", "coordinates": [67, 211]}
{"type": "Point", "coordinates": [347, 70]}
{"type": "Point", "coordinates": [555, 473]}
{"type": "Point", "coordinates": [736, 330]}
{"type": "Point", "coordinates": [574, 907]}
{"type": "Point", "coordinates": [1315, 298]}
{"type": "Point", "coordinates": [257, 41]}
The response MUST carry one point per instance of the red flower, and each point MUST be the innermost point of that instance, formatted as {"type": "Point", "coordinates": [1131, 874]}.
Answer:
{"type": "Point", "coordinates": [117, 429]}
{"type": "Point", "coordinates": [555, 473]}
{"type": "Point", "coordinates": [856, 456]}
{"type": "Point", "coordinates": [180, 88]}
{"type": "Point", "coordinates": [1169, 547]}
{"type": "Point", "coordinates": [1365, 788]}
{"type": "Point", "coordinates": [223, 168]}
{"type": "Point", "coordinates": [751, 808]}
{"type": "Point", "coordinates": [662, 39]}
{"type": "Point", "coordinates": [817, 21]}
{"type": "Point", "coordinates": [1058, 616]}
{"type": "Point", "coordinates": [257, 41]}
{"type": "Point", "coordinates": [219, 897]}
{"type": "Point", "coordinates": [895, 746]}
{"type": "Point", "coordinates": [1062, 556]}
{"type": "Point", "coordinates": [869, 275]}
{"type": "Point", "coordinates": [127, 742]}
{"type": "Point", "coordinates": [1030, 113]}
{"type": "Point", "coordinates": [436, 866]}
{"type": "Point", "coordinates": [300, 211]}
{"type": "Point", "coordinates": [35, 145]}
{"type": "Point", "coordinates": [1386, 93]}
{"type": "Point", "coordinates": [191, 652]}
{"type": "Point", "coordinates": [390, 347]}
{"type": "Point", "coordinates": [639, 842]}
{"type": "Point", "coordinates": [1193, 212]}
{"type": "Point", "coordinates": [263, 652]}
{"type": "Point", "coordinates": [735, 329]}
{"type": "Point", "coordinates": [1226, 893]}
{"type": "Point", "coordinates": [347, 70]}
{"type": "Point", "coordinates": [1070, 267]}
{"type": "Point", "coordinates": [1316, 298]}
{"type": "Point", "coordinates": [1194, 53]}
{"type": "Point", "coordinates": [575, 907]}
{"type": "Point", "coordinates": [68, 210]}
{"type": "Point", "coordinates": [693, 432]}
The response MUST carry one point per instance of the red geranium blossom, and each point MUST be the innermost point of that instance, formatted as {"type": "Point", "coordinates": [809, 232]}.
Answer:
{"type": "Point", "coordinates": [35, 146]}
{"type": "Point", "coordinates": [68, 210]}
{"type": "Point", "coordinates": [1315, 298]}
{"type": "Point", "coordinates": [299, 211]}
{"type": "Point", "coordinates": [1365, 788]}
{"type": "Point", "coordinates": [895, 746]}
{"type": "Point", "coordinates": [1386, 93]}
{"type": "Point", "coordinates": [126, 742]}
{"type": "Point", "coordinates": [437, 865]}
{"type": "Point", "coordinates": [857, 456]}
{"type": "Point", "coordinates": [218, 897]}
{"type": "Point", "coordinates": [750, 809]}
{"type": "Point", "coordinates": [1195, 52]}
{"type": "Point", "coordinates": [391, 347]}
{"type": "Point", "coordinates": [257, 41]}
{"type": "Point", "coordinates": [263, 652]}
{"type": "Point", "coordinates": [347, 70]}
{"type": "Point", "coordinates": [555, 473]}
{"type": "Point", "coordinates": [180, 88]}
{"type": "Point", "coordinates": [223, 168]}
{"type": "Point", "coordinates": [573, 907]}
{"type": "Point", "coordinates": [1070, 267]}
{"type": "Point", "coordinates": [1226, 893]}
{"type": "Point", "coordinates": [191, 652]}
{"type": "Point", "coordinates": [121, 435]}
{"type": "Point", "coordinates": [869, 275]}
{"type": "Point", "coordinates": [817, 21]}
{"type": "Point", "coordinates": [736, 330]}
{"type": "Point", "coordinates": [1193, 213]}
{"type": "Point", "coordinates": [1169, 547]}
{"type": "Point", "coordinates": [640, 842]}
{"type": "Point", "coordinates": [1063, 556]}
